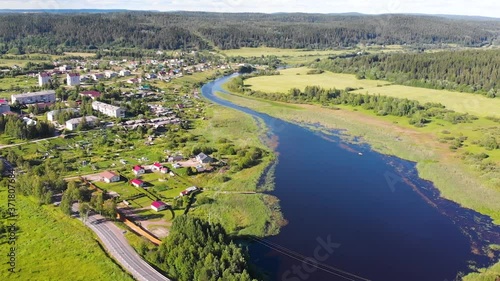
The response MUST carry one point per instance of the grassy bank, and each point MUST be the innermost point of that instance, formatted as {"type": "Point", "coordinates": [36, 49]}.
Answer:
{"type": "Point", "coordinates": [52, 246]}
{"type": "Point", "coordinates": [226, 201]}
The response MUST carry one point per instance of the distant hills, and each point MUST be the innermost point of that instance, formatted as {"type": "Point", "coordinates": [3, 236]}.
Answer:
{"type": "Point", "coordinates": [56, 31]}
{"type": "Point", "coordinates": [62, 11]}
{"type": "Point", "coordinates": [96, 11]}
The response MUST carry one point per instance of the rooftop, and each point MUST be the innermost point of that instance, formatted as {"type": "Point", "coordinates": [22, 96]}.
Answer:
{"type": "Point", "coordinates": [33, 94]}
{"type": "Point", "coordinates": [76, 121]}
{"type": "Point", "coordinates": [108, 174]}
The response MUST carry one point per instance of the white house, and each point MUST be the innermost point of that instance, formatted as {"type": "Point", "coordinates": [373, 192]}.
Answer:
{"type": "Point", "coordinates": [125, 72]}
{"type": "Point", "coordinates": [52, 115]}
{"type": "Point", "coordinates": [110, 74]}
{"type": "Point", "coordinates": [73, 79]}
{"type": "Point", "coordinates": [138, 170]}
{"type": "Point", "coordinates": [108, 109]}
{"type": "Point", "coordinates": [156, 167]}
{"type": "Point", "coordinates": [137, 183]}
{"type": "Point", "coordinates": [43, 78]}
{"type": "Point", "coordinates": [72, 124]}
{"type": "Point", "coordinates": [203, 158]}
{"type": "Point", "coordinates": [108, 176]}
{"type": "Point", "coordinates": [35, 97]}
{"type": "Point", "coordinates": [158, 206]}
{"type": "Point", "coordinates": [97, 76]}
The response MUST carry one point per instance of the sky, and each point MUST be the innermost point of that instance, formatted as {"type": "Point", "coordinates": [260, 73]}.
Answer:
{"type": "Point", "coordinates": [490, 8]}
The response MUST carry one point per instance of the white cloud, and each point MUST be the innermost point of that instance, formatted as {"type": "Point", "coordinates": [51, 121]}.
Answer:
{"type": "Point", "coordinates": [460, 7]}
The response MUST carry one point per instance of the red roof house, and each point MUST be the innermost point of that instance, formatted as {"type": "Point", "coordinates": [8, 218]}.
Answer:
{"type": "Point", "coordinates": [156, 166]}
{"type": "Point", "coordinates": [138, 170]}
{"type": "Point", "coordinates": [91, 94]}
{"type": "Point", "coordinates": [137, 183]}
{"type": "Point", "coordinates": [158, 206]}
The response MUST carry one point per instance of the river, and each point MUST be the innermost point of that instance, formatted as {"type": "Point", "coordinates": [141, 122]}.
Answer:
{"type": "Point", "coordinates": [360, 215]}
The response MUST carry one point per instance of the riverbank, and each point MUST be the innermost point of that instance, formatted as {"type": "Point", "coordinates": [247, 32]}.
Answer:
{"type": "Point", "coordinates": [435, 161]}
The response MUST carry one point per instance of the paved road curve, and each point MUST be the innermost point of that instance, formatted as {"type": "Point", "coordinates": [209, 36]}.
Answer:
{"type": "Point", "coordinates": [118, 247]}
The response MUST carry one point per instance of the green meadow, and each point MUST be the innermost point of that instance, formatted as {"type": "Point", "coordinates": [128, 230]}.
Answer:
{"type": "Point", "coordinates": [53, 246]}
{"type": "Point", "coordinates": [298, 78]}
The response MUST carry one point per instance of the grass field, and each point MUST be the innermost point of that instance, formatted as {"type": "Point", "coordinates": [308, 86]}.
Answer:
{"type": "Point", "coordinates": [298, 78]}
{"type": "Point", "coordinates": [266, 51]}
{"type": "Point", "coordinates": [460, 102]}
{"type": "Point", "coordinates": [52, 246]}
{"type": "Point", "coordinates": [85, 55]}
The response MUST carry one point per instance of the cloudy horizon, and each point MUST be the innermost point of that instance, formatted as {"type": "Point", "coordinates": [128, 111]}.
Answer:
{"type": "Point", "coordinates": [488, 8]}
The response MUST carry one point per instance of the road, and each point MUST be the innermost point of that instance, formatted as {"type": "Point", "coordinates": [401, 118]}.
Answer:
{"type": "Point", "coordinates": [118, 247]}
{"type": "Point", "coordinates": [17, 144]}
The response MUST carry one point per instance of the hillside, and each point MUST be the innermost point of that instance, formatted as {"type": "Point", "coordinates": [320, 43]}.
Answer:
{"type": "Point", "coordinates": [48, 32]}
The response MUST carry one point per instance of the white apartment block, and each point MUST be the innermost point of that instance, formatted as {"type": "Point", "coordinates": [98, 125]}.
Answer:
{"type": "Point", "coordinates": [35, 97]}
{"type": "Point", "coordinates": [43, 78]}
{"type": "Point", "coordinates": [108, 109]}
{"type": "Point", "coordinates": [73, 79]}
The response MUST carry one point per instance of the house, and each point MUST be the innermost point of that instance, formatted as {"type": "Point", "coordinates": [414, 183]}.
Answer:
{"type": "Point", "coordinates": [43, 78]}
{"type": "Point", "coordinates": [175, 158]}
{"type": "Point", "coordinates": [72, 124]}
{"type": "Point", "coordinates": [200, 168]}
{"type": "Point", "coordinates": [176, 165]}
{"type": "Point", "coordinates": [4, 106]}
{"type": "Point", "coordinates": [73, 79]}
{"type": "Point", "coordinates": [91, 94]}
{"type": "Point", "coordinates": [35, 97]}
{"type": "Point", "coordinates": [164, 170]}
{"type": "Point", "coordinates": [137, 183]}
{"type": "Point", "coordinates": [29, 121]}
{"type": "Point", "coordinates": [124, 72]}
{"type": "Point", "coordinates": [134, 81]}
{"type": "Point", "coordinates": [151, 76]}
{"type": "Point", "coordinates": [110, 74]}
{"type": "Point", "coordinates": [203, 158]}
{"type": "Point", "coordinates": [97, 76]}
{"type": "Point", "coordinates": [52, 115]}
{"type": "Point", "coordinates": [64, 68]}
{"type": "Point", "coordinates": [108, 176]}
{"type": "Point", "coordinates": [108, 109]}
{"type": "Point", "coordinates": [156, 167]}
{"type": "Point", "coordinates": [158, 206]}
{"type": "Point", "coordinates": [188, 191]}
{"type": "Point", "coordinates": [138, 170]}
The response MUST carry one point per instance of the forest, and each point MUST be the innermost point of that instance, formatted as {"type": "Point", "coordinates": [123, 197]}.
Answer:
{"type": "Point", "coordinates": [196, 250]}
{"type": "Point", "coordinates": [55, 33]}
{"type": "Point", "coordinates": [473, 71]}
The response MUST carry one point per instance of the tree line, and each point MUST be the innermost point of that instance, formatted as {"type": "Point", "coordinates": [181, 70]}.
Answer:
{"type": "Point", "coordinates": [56, 33]}
{"type": "Point", "coordinates": [473, 71]}
{"type": "Point", "coordinates": [16, 127]}
{"type": "Point", "coordinates": [197, 250]}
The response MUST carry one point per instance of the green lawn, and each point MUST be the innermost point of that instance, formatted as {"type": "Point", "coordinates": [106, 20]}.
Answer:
{"type": "Point", "coordinates": [52, 246]}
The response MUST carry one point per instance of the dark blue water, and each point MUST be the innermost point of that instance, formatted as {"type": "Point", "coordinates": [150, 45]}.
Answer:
{"type": "Point", "coordinates": [360, 217]}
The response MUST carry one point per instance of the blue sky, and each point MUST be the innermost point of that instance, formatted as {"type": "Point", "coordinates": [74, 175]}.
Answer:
{"type": "Point", "coordinates": [459, 7]}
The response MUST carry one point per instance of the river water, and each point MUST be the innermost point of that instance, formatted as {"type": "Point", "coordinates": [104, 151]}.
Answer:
{"type": "Point", "coordinates": [355, 214]}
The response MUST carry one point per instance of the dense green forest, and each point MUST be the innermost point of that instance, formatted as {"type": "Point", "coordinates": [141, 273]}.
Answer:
{"type": "Point", "coordinates": [50, 33]}
{"type": "Point", "coordinates": [466, 71]}
{"type": "Point", "coordinates": [196, 250]}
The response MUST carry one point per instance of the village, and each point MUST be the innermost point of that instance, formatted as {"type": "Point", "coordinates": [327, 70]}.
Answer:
{"type": "Point", "coordinates": [121, 132]}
